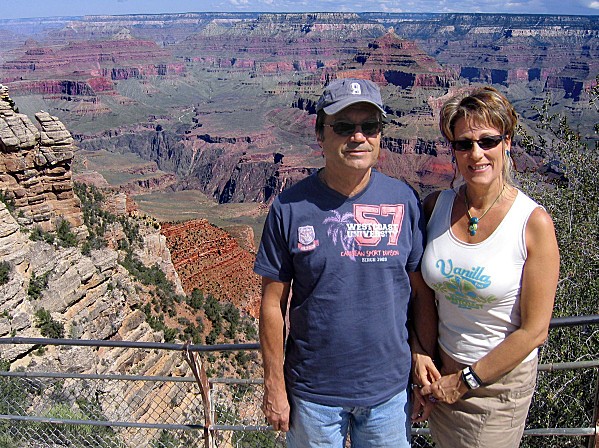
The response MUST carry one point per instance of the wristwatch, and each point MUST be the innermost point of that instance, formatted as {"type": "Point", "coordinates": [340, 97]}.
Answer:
{"type": "Point", "coordinates": [470, 378]}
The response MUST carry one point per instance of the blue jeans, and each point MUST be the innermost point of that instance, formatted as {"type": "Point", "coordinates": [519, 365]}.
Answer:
{"type": "Point", "coordinates": [381, 426]}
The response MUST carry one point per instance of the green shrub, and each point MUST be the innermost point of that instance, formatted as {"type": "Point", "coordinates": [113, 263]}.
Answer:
{"type": "Point", "coordinates": [8, 201]}
{"type": "Point", "coordinates": [97, 219]}
{"type": "Point", "coordinates": [196, 300]}
{"type": "Point", "coordinates": [571, 196]}
{"type": "Point", "coordinates": [5, 269]}
{"type": "Point", "coordinates": [63, 434]}
{"type": "Point", "coordinates": [37, 285]}
{"type": "Point", "coordinates": [14, 395]}
{"type": "Point", "coordinates": [213, 309]}
{"type": "Point", "coordinates": [37, 234]}
{"type": "Point", "coordinates": [100, 436]}
{"type": "Point", "coordinates": [66, 237]}
{"type": "Point", "coordinates": [49, 328]}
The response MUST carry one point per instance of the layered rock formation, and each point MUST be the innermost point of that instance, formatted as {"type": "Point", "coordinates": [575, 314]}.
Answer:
{"type": "Point", "coordinates": [91, 297]}
{"type": "Point", "coordinates": [87, 296]}
{"type": "Point", "coordinates": [224, 102]}
{"type": "Point", "coordinates": [274, 44]}
{"type": "Point", "coordinates": [35, 174]}
{"type": "Point", "coordinates": [392, 60]}
{"type": "Point", "coordinates": [559, 52]}
{"type": "Point", "coordinates": [85, 72]}
{"type": "Point", "coordinates": [231, 165]}
{"type": "Point", "coordinates": [207, 258]}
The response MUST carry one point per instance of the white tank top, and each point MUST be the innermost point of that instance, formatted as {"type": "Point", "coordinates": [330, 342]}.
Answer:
{"type": "Point", "coordinates": [477, 286]}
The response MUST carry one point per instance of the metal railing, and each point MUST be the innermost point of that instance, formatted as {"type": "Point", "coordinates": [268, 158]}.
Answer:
{"type": "Point", "coordinates": [56, 409]}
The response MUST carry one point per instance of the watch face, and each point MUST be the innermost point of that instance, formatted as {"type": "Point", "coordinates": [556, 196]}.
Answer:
{"type": "Point", "coordinates": [469, 379]}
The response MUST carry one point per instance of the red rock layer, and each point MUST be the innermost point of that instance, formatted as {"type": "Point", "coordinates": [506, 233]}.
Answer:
{"type": "Point", "coordinates": [208, 258]}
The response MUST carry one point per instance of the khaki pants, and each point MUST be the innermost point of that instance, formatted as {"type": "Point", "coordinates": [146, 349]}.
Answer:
{"type": "Point", "coordinates": [492, 416]}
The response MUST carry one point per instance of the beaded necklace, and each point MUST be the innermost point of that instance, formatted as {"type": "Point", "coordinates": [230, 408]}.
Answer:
{"type": "Point", "coordinates": [473, 220]}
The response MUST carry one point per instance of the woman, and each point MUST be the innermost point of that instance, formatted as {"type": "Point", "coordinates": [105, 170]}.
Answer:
{"type": "Point", "coordinates": [492, 259]}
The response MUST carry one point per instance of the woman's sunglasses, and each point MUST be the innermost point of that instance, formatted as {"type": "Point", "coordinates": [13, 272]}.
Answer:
{"type": "Point", "coordinates": [484, 143]}
{"type": "Point", "coordinates": [345, 128]}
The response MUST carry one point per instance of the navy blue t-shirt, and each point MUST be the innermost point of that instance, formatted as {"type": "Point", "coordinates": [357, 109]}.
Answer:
{"type": "Point", "coordinates": [347, 259]}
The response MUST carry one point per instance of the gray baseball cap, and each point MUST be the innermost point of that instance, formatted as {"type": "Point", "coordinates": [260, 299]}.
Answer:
{"type": "Point", "coordinates": [347, 91]}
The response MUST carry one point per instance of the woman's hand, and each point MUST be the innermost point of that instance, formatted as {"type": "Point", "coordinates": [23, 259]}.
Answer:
{"type": "Point", "coordinates": [448, 388]}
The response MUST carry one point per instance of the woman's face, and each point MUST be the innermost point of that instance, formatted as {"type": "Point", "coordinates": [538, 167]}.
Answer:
{"type": "Point", "coordinates": [479, 166]}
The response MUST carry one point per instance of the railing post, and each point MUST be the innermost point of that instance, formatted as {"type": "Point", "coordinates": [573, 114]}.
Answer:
{"type": "Point", "coordinates": [211, 410]}
{"type": "Point", "coordinates": [199, 372]}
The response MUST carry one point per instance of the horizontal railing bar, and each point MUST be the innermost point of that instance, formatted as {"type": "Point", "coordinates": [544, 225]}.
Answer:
{"type": "Point", "coordinates": [98, 376]}
{"type": "Point", "coordinates": [130, 344]}
{"type": "Point", "coordinates": [555, 322]}
{"type": "Point", "coordinates": [240, 428]}
{"type": "Point", "coordinates": [543, 432]}
{"type": "Point", "coordinates": [236, 380]}
{"type": "Point", "coordinates": [60, 421]}
{"type": "Point", "coordinates": [571, 432]}
{"type": "Point", "coordinates": [540, 432]}
{"type": "Point", "coordinates": [550, 367]}
{"type": "Point", "coordinates": [569, 321]}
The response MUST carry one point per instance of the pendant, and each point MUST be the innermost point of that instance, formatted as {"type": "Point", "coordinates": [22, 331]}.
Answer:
{"type": "Point", "coordinates": [473, 225]}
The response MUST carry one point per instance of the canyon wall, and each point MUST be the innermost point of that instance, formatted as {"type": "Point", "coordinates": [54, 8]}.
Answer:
{"type": "Point", "coordinates": [88, 294]}
{"type": "Point", "coordinates": [35, 174]}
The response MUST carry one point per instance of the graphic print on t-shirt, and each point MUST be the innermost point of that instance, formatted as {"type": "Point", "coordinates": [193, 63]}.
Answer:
{"type": "Point", "coordinates": [306, 238]}
{"type": "Point", "coordinates": [462, 286]}
{"type": "Point", "coordinates": [362, 234]}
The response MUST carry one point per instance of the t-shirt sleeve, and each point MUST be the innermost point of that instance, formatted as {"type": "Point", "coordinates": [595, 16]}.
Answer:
{"type": "Point", "coordinates": [274, 259]}
{"type": "Point", "coordinates": [418, 236]}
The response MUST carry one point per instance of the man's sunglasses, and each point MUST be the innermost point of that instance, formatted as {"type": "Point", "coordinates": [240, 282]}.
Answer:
{"type": "Point", "coordinates": [484, 143]}
{"type": "Point", "coordinates": [345, 128]}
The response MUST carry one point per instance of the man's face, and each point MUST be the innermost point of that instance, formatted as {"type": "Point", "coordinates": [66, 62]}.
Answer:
{"type": "Point", "coordinates": [359, 150]}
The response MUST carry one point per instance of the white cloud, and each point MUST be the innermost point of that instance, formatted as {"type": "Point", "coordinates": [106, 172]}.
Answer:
{"type": "Point", "coordinates": [594, 5]}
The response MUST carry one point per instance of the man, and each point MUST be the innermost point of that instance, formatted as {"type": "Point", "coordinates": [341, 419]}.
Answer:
{"type": "Point", "coordinates": [347, 242]}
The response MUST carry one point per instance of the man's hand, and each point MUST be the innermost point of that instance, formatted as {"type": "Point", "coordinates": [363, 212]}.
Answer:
{"type": "Point", "coordinates": [424, 371]}
{"type": "Point", "coordinates": [422, 406]}
{"type": "Point", "coordinates": [275, 403]}
{"type": "Point", "coordinates": [276, 409]}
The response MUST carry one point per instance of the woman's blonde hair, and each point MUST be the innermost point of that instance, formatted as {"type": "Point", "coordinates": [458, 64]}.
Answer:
{"type": "Point", "coordinates": [482, 106]}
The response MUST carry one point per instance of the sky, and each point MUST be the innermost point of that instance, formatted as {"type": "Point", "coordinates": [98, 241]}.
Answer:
{"type": "Point", "coordinates": [49, 8]}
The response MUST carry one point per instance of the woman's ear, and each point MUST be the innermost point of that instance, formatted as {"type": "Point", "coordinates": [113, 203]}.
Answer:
{"type": "Point", "coordinates": [508, 146]}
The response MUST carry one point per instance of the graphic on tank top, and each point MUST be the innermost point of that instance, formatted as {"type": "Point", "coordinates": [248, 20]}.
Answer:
{"type": "Point", "coordinates": [463, 286]}
{"type": "Point", "coordinates": [369, 234]}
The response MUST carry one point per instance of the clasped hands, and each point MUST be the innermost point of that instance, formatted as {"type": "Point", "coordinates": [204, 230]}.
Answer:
{"type": "Point", "coordinates": [430, 387]}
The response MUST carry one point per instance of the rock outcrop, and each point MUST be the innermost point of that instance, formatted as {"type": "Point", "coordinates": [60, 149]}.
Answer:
{"type": "Point", "coordinates": [393, 60]}
{"type": "Point", "coordinates": [35, 174]}
{"type": "Point", "coordinates": [87, 295]}
{"type": "Point", "coordinates": [208, 258]}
